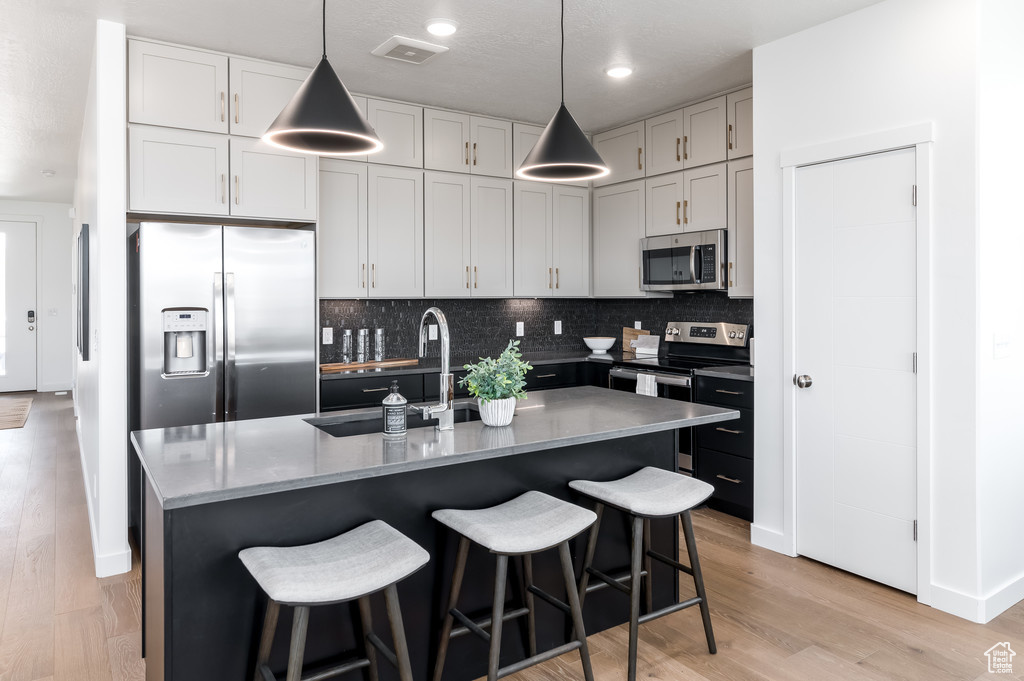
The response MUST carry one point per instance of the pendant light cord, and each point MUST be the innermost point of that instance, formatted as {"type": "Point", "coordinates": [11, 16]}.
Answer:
{"type": "Point", "coordinates": [561, 59]}
{"type": "Point", "coordinates": [323, 25]}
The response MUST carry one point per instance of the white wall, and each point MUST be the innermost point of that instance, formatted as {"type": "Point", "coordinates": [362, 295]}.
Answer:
{"type": "Point", "coordinates": [101, 382]}
{"type": "Point", "coordinates": [894, 64]}
{"type": "Point", "coordinates": [54, 303]}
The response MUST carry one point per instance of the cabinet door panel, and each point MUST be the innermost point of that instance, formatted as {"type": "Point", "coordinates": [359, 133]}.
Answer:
{"type": "Point", "coordinates": [395, 232]}
{"type": "Point", "coordinates": [268, 182]}
{"type": "Point", "coordinates": [618, 227]}
{"type": "Point", "coordinates": [570, 240]}
{"type": "Point", "coordinates": [532, 239]}
{"type": "Point", "coordinates": [259, 91]}
{"type": "Point", "coordinates": [177, 171]}
{"type": "Point", "coordinates": [741, 228]}
{"type": "Point", "coordinates": [446, 141]}
{"type": "Point", "coordinates": [665, 195]}
{"type": "Point", "coordinates": [664, 143]}
{"type": "Point", "coordinates": [704, 130]}
{"type": "Point", "coordinates": [622, 149]}
{"type": "Point", "coordinates": [177, 87]}
{"type": "Point", "coordinates": [740, 113]}
{"type": "Point", "coordinates": [446, 235]}
{"type": "Point", "coordinates": [491, 142]}
{"type": "Point", "coordinates": [400, 128]}
{"type": "Point", "coordinates": [492, 273]}
{"type": "Point", "coordinates": [341, 232]}
{"type": "Point", "coordinates": [524, 138]}
{"type": "Point", "coordinates": [705, 202]}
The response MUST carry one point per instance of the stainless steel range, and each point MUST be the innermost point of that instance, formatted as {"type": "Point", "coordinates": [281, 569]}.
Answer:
{"type": "Point", "coordinates": [686, 346]}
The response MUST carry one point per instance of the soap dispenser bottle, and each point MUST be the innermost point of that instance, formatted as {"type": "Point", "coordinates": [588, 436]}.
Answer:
{"type": "Point", "coordinates": [394, 406]}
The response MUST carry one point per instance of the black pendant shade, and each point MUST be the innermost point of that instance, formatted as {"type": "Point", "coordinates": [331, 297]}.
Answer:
{"type": "Point", "coordinates": [563, 153]}
{"type": "Point", "coordinates": [323, 119]}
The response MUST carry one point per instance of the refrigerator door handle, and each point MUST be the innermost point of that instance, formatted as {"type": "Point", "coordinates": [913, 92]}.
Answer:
{"type": "Point", "coordinates": [231, 384]}
{"type": "Point", "coordinates": [217, 345]}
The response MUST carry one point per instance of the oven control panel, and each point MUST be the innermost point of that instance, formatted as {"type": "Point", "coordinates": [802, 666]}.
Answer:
{"type": "Point", "coordinates": [710, 333]}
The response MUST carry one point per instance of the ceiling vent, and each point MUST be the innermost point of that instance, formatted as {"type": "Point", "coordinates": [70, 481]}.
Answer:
{"type": "Point", "coordinates": [408, 49]}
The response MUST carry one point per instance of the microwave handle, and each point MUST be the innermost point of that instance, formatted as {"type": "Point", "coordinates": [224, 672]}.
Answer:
{"type": "Point", "coordinates": [693, 264]}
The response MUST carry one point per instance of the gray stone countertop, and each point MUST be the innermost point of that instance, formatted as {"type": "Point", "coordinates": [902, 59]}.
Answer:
{"type": "Point", "coordinates": [193, 465]}
{"type": "Point", "coordinates": [736, 373]}
{"type": "Point", "coordinates": [433, 365]}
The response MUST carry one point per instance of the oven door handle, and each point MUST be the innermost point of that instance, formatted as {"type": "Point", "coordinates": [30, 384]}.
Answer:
{"type": "Point", "coordinates": [618, 372]}
{"type": "Point", "coordinates": [679, 381]}
{"type": "Point", "coordinates": [663, 379]}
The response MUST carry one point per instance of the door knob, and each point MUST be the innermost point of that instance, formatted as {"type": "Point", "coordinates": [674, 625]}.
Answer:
{"type": "Point", "coordinates": [802, 381]}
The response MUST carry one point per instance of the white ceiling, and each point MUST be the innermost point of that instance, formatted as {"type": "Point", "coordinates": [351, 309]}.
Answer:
{"type": "Point", "coordinates": [503, 60]}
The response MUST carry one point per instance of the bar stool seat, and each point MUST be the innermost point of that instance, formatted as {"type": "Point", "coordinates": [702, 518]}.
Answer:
{"type": "Point", "coordinates": [531, 522]}
{"type": "Point", "coordinates": [650, 492]}
{"type": "Point", "coordinates": [342, 568]}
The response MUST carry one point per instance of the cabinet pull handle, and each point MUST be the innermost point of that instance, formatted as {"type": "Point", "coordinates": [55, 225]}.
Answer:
{"type": "Point", "coordinates": [373, 275]}
{"type": "Point", "coordinates": [223, 188]}
{"type": "Point", "coordinates": [730, 275]}
{"type": "Point", "coordinates": [732, 480]}
{"type": "Point", "coordinates": [685, 141]}
{"type": "Point", "coordinates": [223, 107]}
{"type": "Point", "coordinates": [236, 107]}
{"type": "Point", "coordinates": [364, 275]}
{"type": "Point", "coordinates": [730, 392]}
{"type": "Point", "coordinates": [686, 220]}
{"type": "Point", "coordinates": [731, 432]}
{"type": "Point", "coordinates": [236, 190]}
{"type": "Point", "coordinates": [467, 153]}
{"type": "Point", "coordinates": [558, 279]}
{"type": "Point", "coordinates": [546, 376]}
{"type": "Point", "coordinates": [476, 277]}
{"type": "Point", "coordinates": [474, 153]}
{"type": "Point", "coordinates": [639, 277]}
{"type": "Point", "coordinates": [639, 165]}
{"type": "Point", "coordinates": [550, 275]}
{"type": "Point", "coordinates": [730, 136]}
{"type": "Point", "coordinates": [375, 390]}
{"type": "Point", "coordinates": [467, 276]}
{"type": "Point", "coordinates": [677, 149]}
{"type": "Point", "coordinates": [678, 204]}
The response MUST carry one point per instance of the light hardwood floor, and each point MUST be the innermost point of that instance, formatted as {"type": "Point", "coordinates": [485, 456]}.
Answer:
{"type": "Point", "coordinates": [775, 618]}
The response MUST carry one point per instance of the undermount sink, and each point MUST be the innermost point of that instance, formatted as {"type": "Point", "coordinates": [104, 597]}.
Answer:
{"type": "Point", "coordinates": [364, 422]}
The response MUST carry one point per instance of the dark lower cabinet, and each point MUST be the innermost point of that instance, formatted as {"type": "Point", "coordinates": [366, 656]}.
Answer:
{"type": "Point", "coordinates": [724, 452]}
{"type": "Point", "coordinates": [548, 376]}
{"type": "Point", "coordinates": [346, 393]}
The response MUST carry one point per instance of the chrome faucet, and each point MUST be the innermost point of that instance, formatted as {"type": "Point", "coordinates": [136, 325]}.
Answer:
{"type": "Point", "coordinates": [444, 411]}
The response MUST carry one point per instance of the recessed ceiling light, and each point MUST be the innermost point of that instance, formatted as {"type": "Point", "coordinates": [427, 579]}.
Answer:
{"type": "Point", "coordinates": [48, 173]}
{"type": "Point", "coordinates": [619, 71]}
{"type": "Point", "coordinates": [442, 27]}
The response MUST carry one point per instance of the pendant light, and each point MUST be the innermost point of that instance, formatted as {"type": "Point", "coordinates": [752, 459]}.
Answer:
{"type": "Point", "coordinates": [322, 118]}
{"type": "Point", "coordinates": [563, 153]}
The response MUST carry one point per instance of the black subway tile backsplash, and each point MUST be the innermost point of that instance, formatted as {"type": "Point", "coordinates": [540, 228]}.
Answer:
{"type": "Point", "coordinates": [481, 327]}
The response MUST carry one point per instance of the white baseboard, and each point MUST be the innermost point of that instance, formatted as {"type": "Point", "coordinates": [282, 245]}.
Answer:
{"type": "Point", "coordinates": [52, 387]}
{"type": "Point", "coordinates": [1003, 598]}
{"type": "Point", "coordinates": [980, 610]}
{"type": "Point", "coordinates": [105, 564]}
{"type": "Point", "coordinates": [770, 539]}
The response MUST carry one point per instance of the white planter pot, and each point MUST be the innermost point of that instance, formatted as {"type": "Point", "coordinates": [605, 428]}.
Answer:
{"type": "Point", "coordinates": [497, 412]}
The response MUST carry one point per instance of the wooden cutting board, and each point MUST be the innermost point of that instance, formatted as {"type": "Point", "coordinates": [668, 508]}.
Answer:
{"type": "Point", "coordinates": [354, 366]}
{"type": "Point", "coordinates": [630, 334]}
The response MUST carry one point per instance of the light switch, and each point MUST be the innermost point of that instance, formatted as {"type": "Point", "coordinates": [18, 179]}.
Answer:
{"type": "Point", "coordinates": [636, 325]}
{"type": "Point", "coordinates": [520, 331]}
{"type": "Point", "coordinates": [432, 331]}
{"type": "Point", "coordinates": [558, 327]}
{"type": "Point", "coordinates": [52, 312]}
{"type": "Point", "coordinates": [328, 335]}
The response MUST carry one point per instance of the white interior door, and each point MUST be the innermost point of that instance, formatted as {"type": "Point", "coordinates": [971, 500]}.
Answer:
{"type": "Point", "coordinates": [18, 315]}
{"type": "Point", "coordinates": [855, 337]}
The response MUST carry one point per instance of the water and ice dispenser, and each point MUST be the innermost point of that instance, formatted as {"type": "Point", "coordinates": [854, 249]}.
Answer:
{"type": "Point", "coordinates": [184, 341]}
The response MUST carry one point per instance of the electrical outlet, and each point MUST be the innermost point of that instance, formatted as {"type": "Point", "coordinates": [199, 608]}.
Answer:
{"type": "Point", "coordinates": [328, 335]}
{"type": "Point", "coordinates": [520, 331]}
{"type": "Point", "coordinates": [636, 325]}
{"type": "Point", "coordinates": [431, 331]}
{"type": "Point", "coordinates": [558, 328]}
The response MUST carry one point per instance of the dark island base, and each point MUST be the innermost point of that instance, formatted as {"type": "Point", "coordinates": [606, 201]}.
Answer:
{"type": "Point", "coordinates": [203, 612]}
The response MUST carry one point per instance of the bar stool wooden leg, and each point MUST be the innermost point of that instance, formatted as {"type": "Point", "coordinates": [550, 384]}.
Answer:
{"type": "Point", "coordinates": [297, 648]}
{"type": "Point", "coordinates": [398, 632]}
{"type": "Point", "coordinates": [698, 580]}
{"type": "Point", "coordinates": [636, 543]}
{"type": "Point", "coordinates": [531, 620]}
{"type": "Point", "coordinates": [575, 609]}
{"type": "Point", "coordinates": [588, 557]}
{"type": "Point", "coordinates": [648, 581]}
{"type": "Point", "coordinates": [497, 612]}
{"type": "Point", "coordinates": [453, 598]}
{"type": "Point", "coordinates": [366, 622]}
{"type": "Point", "coordinates": [267, 636]}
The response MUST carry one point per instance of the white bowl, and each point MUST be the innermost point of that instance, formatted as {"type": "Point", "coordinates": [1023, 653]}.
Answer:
{"type": "Point", "coordinates": [599, 344]}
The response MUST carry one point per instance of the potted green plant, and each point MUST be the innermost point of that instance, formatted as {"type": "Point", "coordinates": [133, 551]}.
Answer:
{"type": "Point", "coordinates": [497, 384]}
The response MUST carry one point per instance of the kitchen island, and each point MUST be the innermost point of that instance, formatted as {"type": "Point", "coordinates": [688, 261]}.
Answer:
{"type": "Point", "coordinates": [212, 490]}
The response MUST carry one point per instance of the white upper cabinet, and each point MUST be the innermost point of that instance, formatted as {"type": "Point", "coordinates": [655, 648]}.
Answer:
{"type": "Point", "coordinates": [268, 182]}
{"type": "Point", "coordinates": [665, 197]}
{"type": "Point", "coordinates": [446, 141]}
{"type": "Point", "coordinates": [618, 227]}
{"type": "Point", "coordinates": [740, 114]}
{"type": "Point", "coordinates": [741, 228]}
{"type": "Point", "coordinates": [491, 237]}
{"type": "Point", "coordinates": [623, 151]}
{"type": "Point", "coordinates": [395, 232]}
{"type": "Point", "coordinates": [551, 240]}
{"type": "Point", "coordinates": [177, 87]}
{"type": "Point", "coordinates": [524, 138]}
{"type": "Point", "coordinates": [341, 232]}
{"type": "Point", "coordinates": [259, 91]}
{"type": "Point", "coordinates": [446, 235]}
{"type": "Point", "coordinates": [177, 171]}
{"type": "Point", "coordinates": [704, 198]}
{"type": "Point", "coordinates": [664, 143]}
{"type": "Point", "coordinates": [490, 146]}
{"type": "Point", "coordinates": [400, 128]}
{"type": "Point", "coordinates": [704, 133]}
{"type": "Point", "coordinates": [570, 240]}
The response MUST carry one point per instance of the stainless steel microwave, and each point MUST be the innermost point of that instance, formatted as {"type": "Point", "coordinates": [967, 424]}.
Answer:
{"type": "Point", "coordinates": [693, 261]}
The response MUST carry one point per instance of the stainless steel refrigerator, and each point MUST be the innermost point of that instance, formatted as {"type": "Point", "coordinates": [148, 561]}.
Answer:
{"type": "Point", "coordinates": [223, 323]}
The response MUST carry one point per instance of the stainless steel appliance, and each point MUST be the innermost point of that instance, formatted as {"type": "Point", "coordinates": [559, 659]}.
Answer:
{"type": "Point", "coordinates": [687, 346]}
{"type": "Point", "coordinates": [694, 261]}
{"type": "Point", "coordinates": [223, 323]}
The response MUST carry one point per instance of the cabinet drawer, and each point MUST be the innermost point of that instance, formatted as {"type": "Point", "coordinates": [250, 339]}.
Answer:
{"type": "Point", "coordinates": [735, 437]}
{"type": "Point", "coordinates": [733, 478]}
{"type": "Point", "coordinates": [364, 392]}
{"type": "Point", "coordinates": [551, 376]}
{"type": "Point", "coordinates": [725, 392]}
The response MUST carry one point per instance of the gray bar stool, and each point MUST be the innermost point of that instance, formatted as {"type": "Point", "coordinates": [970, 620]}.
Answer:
{"type": "Point", "coordinates": [528, 524]}
{"type": "Point", "coordinates": [648, 493]}
{"type": "Point", "coordinates": [351, 566]}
